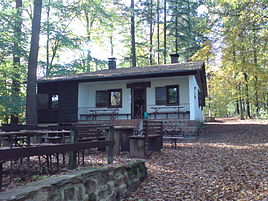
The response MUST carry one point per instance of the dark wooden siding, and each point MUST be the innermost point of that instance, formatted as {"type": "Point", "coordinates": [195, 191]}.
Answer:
{"type": "Point", "coordinates": [68, 102]}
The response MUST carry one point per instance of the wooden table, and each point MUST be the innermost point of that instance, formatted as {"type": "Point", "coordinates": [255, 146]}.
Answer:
{"type": "Point", "coordinates": [104, 112]}
{"type": "Point", "coordinates": [27, 134]}
{"type": "Point", "coordinates": [156, 109]}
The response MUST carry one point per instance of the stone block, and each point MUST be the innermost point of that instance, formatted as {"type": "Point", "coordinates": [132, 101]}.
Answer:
{"type": "Point", "coordinates": [69, 194]}
{"type": "Point", "coordinates": [90, 186]}
{"type": "Point", "coordinates": [137, 147]}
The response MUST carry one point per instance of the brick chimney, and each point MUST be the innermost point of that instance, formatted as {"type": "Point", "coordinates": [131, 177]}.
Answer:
{"type": "Point", "coordinates": [112, 63]}
{"type": "Point", "coordinates": [174, 58]}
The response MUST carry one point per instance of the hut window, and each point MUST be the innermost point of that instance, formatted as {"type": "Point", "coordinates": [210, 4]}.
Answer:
{"type": "Point", "coordinates": [115, 98]}
{"type": "Point", "coordinates": [168, 95]}
{"type": "Point", "coordinates": [109, 98]}
{"type": "Point", "coordinates": [172, 95]}
{"type": "Point", "coordinates": [54, 101]}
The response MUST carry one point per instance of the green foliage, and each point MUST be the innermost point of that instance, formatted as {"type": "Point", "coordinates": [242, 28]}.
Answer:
{"type": "Point", "coordinates": [231, 37]}
{"type": "Point", "coordinates": [239, 85]}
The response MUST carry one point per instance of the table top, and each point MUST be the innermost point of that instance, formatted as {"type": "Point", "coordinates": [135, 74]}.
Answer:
{"type": "Point", "coordinates": [166, 107]}
{"type": "Point", "coordinates": [124, 127]}
{"type": "Point", "coordinates": [32, 132]}
{"type": "Point", "coordinates": [103, 110]}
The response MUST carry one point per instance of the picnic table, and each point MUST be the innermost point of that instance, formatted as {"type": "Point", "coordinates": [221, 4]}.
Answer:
{"type": "Point", "coordinates": [94, 113]}
{"type": "Point", "coordinates": [13, 137]}
{"type": "Point", "coordinates": [158, 108]}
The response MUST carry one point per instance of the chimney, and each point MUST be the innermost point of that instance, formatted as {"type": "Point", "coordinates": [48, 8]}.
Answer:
{"type": "Point", "coordinates": [112, 63]}
{"type": "Point", "coordinates": [174, 58]}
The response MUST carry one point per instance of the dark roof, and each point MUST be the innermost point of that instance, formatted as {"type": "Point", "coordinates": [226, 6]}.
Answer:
{"type": "Point", "coordinates": [189, 68]}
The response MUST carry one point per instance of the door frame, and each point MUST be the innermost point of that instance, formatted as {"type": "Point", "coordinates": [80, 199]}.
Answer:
{"type": "Point", "coordinates": [138, 86]}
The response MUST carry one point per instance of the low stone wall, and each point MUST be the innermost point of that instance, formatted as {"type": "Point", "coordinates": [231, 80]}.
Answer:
{"type": "Point", "coordinates": [189, 127]}
{"type": "Point", "coordinates": [110, 183]}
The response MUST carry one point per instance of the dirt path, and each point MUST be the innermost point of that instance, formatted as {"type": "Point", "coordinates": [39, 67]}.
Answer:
{"type": "Point", "coordinates": [230, 162]}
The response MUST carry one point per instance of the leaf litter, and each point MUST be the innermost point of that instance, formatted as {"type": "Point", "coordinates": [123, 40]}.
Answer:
{"type": "Point", "coordinates": [229, 162]}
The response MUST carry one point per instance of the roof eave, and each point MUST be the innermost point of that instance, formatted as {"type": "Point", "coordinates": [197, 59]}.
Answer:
{"type": "Point", "coordinates": [124, 77]}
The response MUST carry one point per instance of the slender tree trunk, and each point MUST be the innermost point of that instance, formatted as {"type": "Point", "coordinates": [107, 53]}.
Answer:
{"type": "Point", "coordinates": [257, 105]}
{"type": "Point", "coordinates": [165, 31]}
{"type": "Point", "coordinates": [176, 28]}
{"type": "Point", "coordinates": [5, 86]}
{"type": "Point", "coordinates": [247, 96]}
{"type": "Point", "coordinates": [255, 57]}
{"type": "Point", "coordinates": [158, 33]}
{"type": "Point", "coordinates": [48, 39]}
{"type": "Point", "coordinates": [31, 109]}
{"type": "Point", "coordinates": [133, 43]}
{"type": "Point", "coordinates": [16, 58]}
{"type": "Point", "coordinates": [88, 38]}
{"type": "Point", "coordinates": [112, 46]}
{"type": "Point", "coordinates": [189, 29]}
{"type": "Point", "coordinates": [89, 24]}
{"type": "Point", "coordinates": [237, 101]}
{"type": "Point", "coordinates": [241, 103]}
{"type": "Point", "coordinates": [237, 107]}
{"type": "Point", "coordinates": [151, 34]}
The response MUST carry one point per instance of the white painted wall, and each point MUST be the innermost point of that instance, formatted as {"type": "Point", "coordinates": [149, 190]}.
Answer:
{"type": "Point", "coordinates": [196, 112]}
{"type": "Point", "coordinates": [87, 92]}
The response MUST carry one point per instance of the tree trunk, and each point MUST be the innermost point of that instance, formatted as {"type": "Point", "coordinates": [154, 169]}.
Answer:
{"type": "Point", "coordinates": [88, 29]}
{"type": "Point", "coordinates": [31, 109]}
{"type": "Point", "coordinates": [255, 57]}
{"type": "Point", "coordinates": [176, 28]}
{"type": "Point", "coordinates": [48, 39]}
{"type": "Point", "coordinates": [133, 43]}
{"type": "Point", "coordinates": [189, 30]}
{"type": "Point", "coordinates": [165, 31]}
{"type": "Point", "coordinates": [247, 96]}
{"type": "Point", "coordinates": [241, 103]}
{"type": "Point", "coordinates": [112, 46]}
{"type": "Point", "coordinates": [151, 34]}
{"type": "Point", "coordinates": [16, 58]}
{"type": "Point", "coordinates": [158, 33]}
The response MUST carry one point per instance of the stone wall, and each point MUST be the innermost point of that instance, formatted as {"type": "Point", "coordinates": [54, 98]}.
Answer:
{"type": "Point", "coordinates": [189, 127]}
{"type": "Point", "coordinates": [104, 184]}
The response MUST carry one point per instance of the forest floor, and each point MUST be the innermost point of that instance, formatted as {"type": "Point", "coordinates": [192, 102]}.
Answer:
{"type": "Point", "coordinates": [229, 162]}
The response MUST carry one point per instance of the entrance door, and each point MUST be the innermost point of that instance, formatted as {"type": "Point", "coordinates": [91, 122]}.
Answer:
{"type": "Point", "coordinates": [138, 103]}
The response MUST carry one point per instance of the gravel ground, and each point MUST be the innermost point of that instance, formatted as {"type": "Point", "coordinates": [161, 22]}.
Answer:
{"type": "Point", "coordinates": [229, 162]}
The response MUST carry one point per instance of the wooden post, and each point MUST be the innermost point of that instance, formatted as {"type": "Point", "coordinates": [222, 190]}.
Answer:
{"type": "Point", "coordinates": [72, 155]}
{"type": "Point", "coordinates": [1, 175]}
{"type": "Point", "coordinates": [117, 138]}
{"type": "Point", "coordinates": [146, 148]}
{"type": "Point", "coordinates": [110, 149]}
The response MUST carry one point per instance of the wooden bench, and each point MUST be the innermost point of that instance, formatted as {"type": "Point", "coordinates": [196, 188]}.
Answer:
{"type": "Point", "coordinates": [88, 132]}
{"type": "Point", "coordinates": [173, 135]}
{"type": "Point", "coordinates": [149, 138]}
{"type": "Point", "coordinates": [20, 140]}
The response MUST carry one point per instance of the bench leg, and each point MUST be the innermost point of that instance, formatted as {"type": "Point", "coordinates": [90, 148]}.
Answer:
{"type": "Point", "coordinates": [110, 149]}
{"type": "Point", "coordinates": [72, 160]}
{"type": "Point", "coordinates": [1, 175]}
